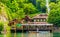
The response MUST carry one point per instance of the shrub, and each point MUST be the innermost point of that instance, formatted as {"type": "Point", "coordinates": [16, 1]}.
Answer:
{"type": "Point", "coordinates": [1, 26]}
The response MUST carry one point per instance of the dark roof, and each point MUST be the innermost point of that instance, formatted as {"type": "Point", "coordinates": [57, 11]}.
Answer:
{"type": "Point", "coordinates": [27, 18]}
{"type": "Point", "coordinates": [41, 16]}
{"type": "Point", "coordinates": [12, 22]}
{"type": "Point", "coordinates": [38, 23]}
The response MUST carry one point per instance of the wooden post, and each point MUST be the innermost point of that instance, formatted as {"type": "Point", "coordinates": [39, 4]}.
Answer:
{"type": "Point", "coordinates": [22, 31]}
{"type": "Point", "coordinates": [15, 30]}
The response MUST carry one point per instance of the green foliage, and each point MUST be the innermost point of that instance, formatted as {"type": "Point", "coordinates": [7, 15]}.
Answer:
{"type": "Point", "coordinates": [29, 9]}
{"type": "Point", "coordinates": [54, 15]}
{"type": "Point", "coordinates": [1, 26]}
{"type": "Point", "coordinates": [19, 8]}
{"type": "Point", "coordinates": [41, 5]}
{"type": "Point", "coordinates": [0, 9]}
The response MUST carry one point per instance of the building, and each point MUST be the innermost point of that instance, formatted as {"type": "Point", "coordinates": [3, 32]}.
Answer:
{"type": "Point", "coordinates": [38, 22]}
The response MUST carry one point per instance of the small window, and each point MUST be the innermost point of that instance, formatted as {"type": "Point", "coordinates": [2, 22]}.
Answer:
{"type": "Point", "coordinates": [44, 20]}
{"type": "Point", "coordinates": [41, 20]}
{"type": "Point", "coordinates": [38, 20]}
{"type": "Point", "coordinates": [34, 20]}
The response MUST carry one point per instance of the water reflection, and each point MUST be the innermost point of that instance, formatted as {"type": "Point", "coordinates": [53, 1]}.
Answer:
{"type": "Point", "coordinates": [34, 34]}
{"type": "Point", "coordinates": [44, 34]}
{"type": "Point", "coordinates": [31, 34]}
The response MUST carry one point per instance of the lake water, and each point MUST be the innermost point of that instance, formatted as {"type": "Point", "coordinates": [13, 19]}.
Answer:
{"type": "Point", "coordinates": [31, 34]}
{"type": "Point", "coordinates": [34, 34]}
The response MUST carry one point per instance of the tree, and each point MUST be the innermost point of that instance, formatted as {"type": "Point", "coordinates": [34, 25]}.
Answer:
{"type": "Point", "coordinates": [29, 9]}
{"type": "Point", "coordinates": [54, 15]}
{"type": "Point", "coordinates": [15, 8]}
{"type": "Point", "coordinates": [41, 5]}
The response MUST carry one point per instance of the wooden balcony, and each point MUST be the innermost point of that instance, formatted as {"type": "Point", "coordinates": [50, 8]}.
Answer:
{"type": "Point", "coordinates": [33, 27]}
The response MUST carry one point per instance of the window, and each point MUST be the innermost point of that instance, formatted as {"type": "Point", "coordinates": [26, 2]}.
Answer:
{"type": "Point", "coordinates": [34, 20]}
{"type": "Point", "coordinates": [44, 20]}
{"type": "Point", "coordinates": [38, 20]}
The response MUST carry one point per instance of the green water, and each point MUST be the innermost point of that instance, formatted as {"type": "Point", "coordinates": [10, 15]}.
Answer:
{"type": "Point", "coordinates": [19, 34]}
{"type": "Point", "coordinates": [32, 34]}
{"type": "Point", "coordinates": [56, 34]}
